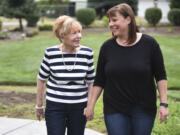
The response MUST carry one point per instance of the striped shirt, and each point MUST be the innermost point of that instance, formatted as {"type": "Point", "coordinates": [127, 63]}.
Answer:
{"type": "Point", "coordinates": [65, 86]}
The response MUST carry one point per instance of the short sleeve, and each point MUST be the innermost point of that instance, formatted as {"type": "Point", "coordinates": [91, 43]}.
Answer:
{"type": "Point", "coordinates": [90, 73]}
{"type": "Point", "coordinates": [158, 66]}
{"type": "Point", "coordinates": [44, 70]}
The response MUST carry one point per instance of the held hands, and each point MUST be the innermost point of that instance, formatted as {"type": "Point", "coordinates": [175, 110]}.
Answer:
{"type": "Point", "coordinates": [163, 113]}
{"type": "Point", "coordinates": [39, 113]}
{"type": "Point", "coordinates": [89, 113]}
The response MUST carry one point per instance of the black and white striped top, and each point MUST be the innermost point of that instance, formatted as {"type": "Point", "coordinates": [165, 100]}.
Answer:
{"type": "Point", "coordinates": [65, 86]}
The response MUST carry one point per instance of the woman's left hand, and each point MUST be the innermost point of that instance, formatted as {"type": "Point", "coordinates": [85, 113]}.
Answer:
{"type": "Point", "coordinates": [163, 113]}
{"type": "Point", "coordinates": [89, 113]}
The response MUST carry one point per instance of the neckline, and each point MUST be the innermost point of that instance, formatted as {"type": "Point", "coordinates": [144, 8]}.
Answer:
{"type": "Point", "coordinates": [131, 46]}
{"type": "Point", "coordinates": [68, 52]}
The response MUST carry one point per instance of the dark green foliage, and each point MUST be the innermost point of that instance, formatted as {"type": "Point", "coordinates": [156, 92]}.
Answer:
{"type": "Point", "coordinates": [101, 6]}
{"type": "Point", "coordinates": [0, 25]}
{"type": "Point", "coordinates": [42, 2]}
{"type": "Point", "coordinates": [174, 4]}
{"type": "Point", "coordinates": [32, 13]}
{"type": "Point", "coordinates": [20, 9]}
{"type": "Point", "coordinates": [32, 20]}
{"type": "Point", "coordinates": [174, 16]}
{"type": "Point", "coordinates": [55, 8]}
{"type": "Point", "coordinates": [153, 15]}
{"type": "Point", "coordinates": [86, 16]}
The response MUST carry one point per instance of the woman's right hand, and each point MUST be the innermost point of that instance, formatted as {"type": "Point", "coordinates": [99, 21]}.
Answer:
{"type": "Point", "coordinates": [40, 114]}
{"type": "Point", "coordinates": [89, 113]}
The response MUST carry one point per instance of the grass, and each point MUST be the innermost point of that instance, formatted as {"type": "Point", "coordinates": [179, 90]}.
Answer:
{"type": "Point", "coordinates": [170, 47]}
{"type": "Point", "coordinates": [20, 61]}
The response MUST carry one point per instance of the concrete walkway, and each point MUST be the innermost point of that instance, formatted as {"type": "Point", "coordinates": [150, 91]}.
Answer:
{"type": "Point", "coordinates": [13, 126]}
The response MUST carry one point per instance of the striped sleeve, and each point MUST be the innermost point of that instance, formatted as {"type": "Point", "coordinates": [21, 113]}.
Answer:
{"type": "Point", "coordinates": [44, 70]}
{"type": "Point", "coordinates": [90, 73]}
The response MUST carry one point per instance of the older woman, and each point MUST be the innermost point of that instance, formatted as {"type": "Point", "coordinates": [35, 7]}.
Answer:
{"type": "Point", "coordinates": [69, 72]}
{"type": "Point", "coordinates": [127, 66]}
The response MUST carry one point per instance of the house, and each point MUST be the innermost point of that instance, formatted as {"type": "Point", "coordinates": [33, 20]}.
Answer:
{"type": "Point", "coordinates": [162, 4]}
{"type": "Point", "coordinates": [142, 6]}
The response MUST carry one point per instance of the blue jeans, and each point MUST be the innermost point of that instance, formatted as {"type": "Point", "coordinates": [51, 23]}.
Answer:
{"type": "Point", "coordinates": [60, 116]}
{"type": "Point", "coordinates": [137, 123]}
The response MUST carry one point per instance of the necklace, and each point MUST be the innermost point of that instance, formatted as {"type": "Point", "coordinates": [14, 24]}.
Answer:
{"type": "Point", "coordinates": [70, 68]}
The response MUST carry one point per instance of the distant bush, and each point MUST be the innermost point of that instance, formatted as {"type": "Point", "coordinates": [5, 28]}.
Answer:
{"type": "Point", "coordinates": [86, 16]}
{"type": "Point", "coordinates": [4, 35]}
{"type": "Point", "coordinates": [32, 20]}
{"type": "Point", "coordinates": [141, 22]}
{"type": "Point", "coordinates": [0, 25]}
{"type": "Point", "coordinates": [153, 15]}
{"type": "Point", "coordinates": [105, 21]}
{"type": "Point", "coordinates": [174, 16]}
{"type": "Point", "coordinates": [174, 4]}
{"type": "Point", "coordinates": [45, 26]}
{"type": "Point", "coordinates": [32, 33]}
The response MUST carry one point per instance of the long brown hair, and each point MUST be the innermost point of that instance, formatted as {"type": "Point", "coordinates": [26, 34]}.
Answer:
{"type": "Point", "coordinates": [126, 11]}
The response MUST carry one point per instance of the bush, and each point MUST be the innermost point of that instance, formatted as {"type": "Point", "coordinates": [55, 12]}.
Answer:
{"type": "Point", "coordinates": [174, 16]}
{"type": "Point", "coordinates": [174, 4]}
{"type": "Point", "coordinates": [32, 20]}
{"type": "Point", "coordinates": [102, 6]}
{"type": "Point", "coordinates": [4, 35]}
{"type": "Point", "coordinates": [45, 26]}
{"type": "Point", "coordinates": [32, 33]}
{"type": "Point", "coordinates": [153, 15]}
{"type": "Point", "coordinates": [0, 25]}
{"type": "Point", "coordinates": [86, 16]}
{"type": "Point", "coordinates": [105, 21]}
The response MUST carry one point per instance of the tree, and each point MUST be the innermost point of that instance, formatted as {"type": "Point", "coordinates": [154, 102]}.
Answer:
{"type": "Point", "coordinates": [174, 4]}
{"type": "Point", "coordinates": [155, 3]}
{"type": "Point", "coordinates": [101, 6]}
{"type": "Point", "coordinates": [20, 9]}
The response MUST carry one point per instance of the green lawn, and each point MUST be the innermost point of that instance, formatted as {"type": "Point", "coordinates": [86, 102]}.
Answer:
{"type": "Point", "coordinates": [20, 61]}
{"type": "Point", "coordinates": [170, 46]}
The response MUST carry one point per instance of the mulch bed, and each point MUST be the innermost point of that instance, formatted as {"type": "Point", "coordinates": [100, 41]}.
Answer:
{"type": "Point", "coordinates": [11, 97]}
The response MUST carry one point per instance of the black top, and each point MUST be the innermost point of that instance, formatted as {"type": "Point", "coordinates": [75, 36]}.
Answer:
{"type": "Point", "coordinates": [127, 75]}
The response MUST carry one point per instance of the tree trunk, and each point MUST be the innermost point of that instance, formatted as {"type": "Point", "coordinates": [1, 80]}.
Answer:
{"type": "Point", "coordinates": [20, 24]}
{"type": "Point", "coordinates": [155, 3]}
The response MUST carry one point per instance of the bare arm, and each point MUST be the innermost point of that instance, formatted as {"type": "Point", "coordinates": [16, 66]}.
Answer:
{"type": "Point", "coordinates": [162, 88]}
{"type": "Point", "coordinates": [93, 95]}
{"type": "Point", "coordinates": [40, 98]}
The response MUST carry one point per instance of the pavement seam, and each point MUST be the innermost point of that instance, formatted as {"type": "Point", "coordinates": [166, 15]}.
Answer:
{"type": "Point", "coordinates": [6, 133]}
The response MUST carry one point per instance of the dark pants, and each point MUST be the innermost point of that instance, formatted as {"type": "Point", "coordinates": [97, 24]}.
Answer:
{"type": "Point", "coordinates": [60, 116]}
{"type": "Point", "coordinates": [137, 123]}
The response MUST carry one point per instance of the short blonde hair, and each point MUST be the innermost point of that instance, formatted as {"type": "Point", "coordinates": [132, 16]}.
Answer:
{"type": "Point", "coordinates": [64, 24]}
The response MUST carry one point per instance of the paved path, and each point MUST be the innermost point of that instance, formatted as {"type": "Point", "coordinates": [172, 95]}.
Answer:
{"type": "Point", "coordinates": [13, 126]}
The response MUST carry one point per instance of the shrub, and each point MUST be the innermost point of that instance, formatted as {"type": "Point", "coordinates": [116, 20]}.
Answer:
{"type": "Point", "coordinates": [174, 16]}
{"type": "Point", "coordinates": [45, 26]}
{"type": "Point", "coordinates": [86, 16]}
{"type": "Point", "coordinates": [32, 20]}
{"type": "Point", "coordinates": [174, 4]}
{"type": "Point", "coordinates": [0, 25]}
{"type": "Point", "coordinates": [153, 15]}
{"type": "Point", "coordinates": [4, 35]}
{"type": "Point", "coordinates": [32, 33]}
{"type": "Point", "coordinates": [105, 21]}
